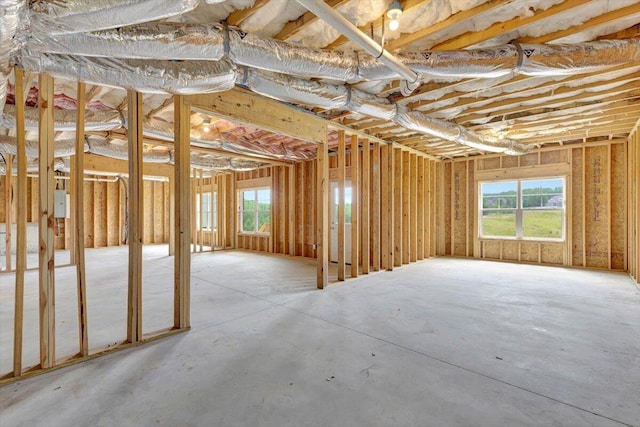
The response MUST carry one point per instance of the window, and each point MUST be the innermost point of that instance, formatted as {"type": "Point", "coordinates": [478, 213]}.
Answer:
{"type": "Point", "coordinates": [523, 209]}
{"type": "Point", "coordinates": [204, 214]}
{"type": "Point", "coordinates": [255, 210]}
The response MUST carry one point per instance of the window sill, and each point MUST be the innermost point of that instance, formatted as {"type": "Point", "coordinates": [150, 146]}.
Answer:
{"type": "Point", "coordinates": [515, 239]}
{"type": "Point", "coordinates": [256, 234]}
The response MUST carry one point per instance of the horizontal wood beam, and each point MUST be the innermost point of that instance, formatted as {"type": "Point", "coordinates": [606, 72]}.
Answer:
{"type": "Point", "coordinates": [94, 163]}
{"type": "Point", "coordinates": [255, 110]}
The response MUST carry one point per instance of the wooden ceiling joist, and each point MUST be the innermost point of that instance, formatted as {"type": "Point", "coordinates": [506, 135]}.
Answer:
{"type": "Point", "coordinates": [239, 16]}
{"type": "Point", "coordinates": [407, 39]}
{"type": "Point", "coordinates": [603, 19]}
{"type": "Point", "coordinates": [292, 28]}
{"type": "Point", "coordinates": [472, 38]}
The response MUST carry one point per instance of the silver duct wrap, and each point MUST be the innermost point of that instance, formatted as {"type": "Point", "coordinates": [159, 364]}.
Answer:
{"type": "Point", "coordinates": [286, 88]}
{"type": "Point", "coordinates": [281, 57]}
{"type": "Point", "coordinates": [9, 20]}
{"type": "Point", "coordinates": [63, 148]}
{"type": "Point", "coordinates": [371, 105]}
{"type": "Point", "coordinates": [488, 63]}
{"type": "Point", "coordinates": [150, 76]}
{"type": "Point", "coordinates": [178, 41]}
{"type": "Point", "coordinates": [163, 41]}
{"type": "Point", "coordinates": [79, 16]}
{"type": "Point", "coordinates": [361, 102]}
{"type": "Point", "coordinates": [569, 59]}
{"type": "Point", "coordinates": [418, 122]}
{"type": "Point", "coordinates": [64, 120]}
{"type": "Point", "coordinates": [103, 147]}
{"type": "Point", "coordinates": [32, 166]}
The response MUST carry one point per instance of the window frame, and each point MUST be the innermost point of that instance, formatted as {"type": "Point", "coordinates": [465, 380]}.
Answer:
{"type": "Point", "coordinates": [256, 211]}
{"type": "Point", "coordinates": [519, 210]}
{"type": "Point", "coordinates": [213, 206]}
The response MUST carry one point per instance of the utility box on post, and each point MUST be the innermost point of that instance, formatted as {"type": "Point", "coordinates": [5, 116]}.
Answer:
{"type": "Point", "coordinates": [59, 203]}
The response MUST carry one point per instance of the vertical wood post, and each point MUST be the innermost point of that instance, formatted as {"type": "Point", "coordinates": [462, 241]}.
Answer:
{"type": "Point", "coordinates": [292, 210]}
{"type": "Point", "coordinates": [322, 210]}
{"type": "Point", "coordinates": [365, 203]}
{"type": "Point", "coordinates": [21, 226]}
{"type": "Point", "coordinates": [387, 230]}
{"type": "Point", "coordinates": [172, 216]}
{"type": "Point", "coordinates": [8, 209]}
{"type": "Point", "coordinates": [406, 207]}
{"type": "Point", "coordinates": [46, 223]}
{"type": "Point", "coordinates": [376, 211]}
{"type": "Point", "coordinates": [78, 224]}
{"type": "Point", "coordinates": [341, 213]}
{"type": "Point", "coordinates": [136, 216]}
{"type": "Point", "coordinates": [420, 208]}
{"type": "Point", "coordinates": [355, 206]}
{"type": "Point", "coordinates": [182, 261]}
{"type": "Point", "coordinates": [397, 203]}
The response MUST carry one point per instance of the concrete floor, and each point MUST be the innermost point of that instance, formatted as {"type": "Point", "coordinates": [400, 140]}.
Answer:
{"type": "Point", "coordinates": [444, 342]}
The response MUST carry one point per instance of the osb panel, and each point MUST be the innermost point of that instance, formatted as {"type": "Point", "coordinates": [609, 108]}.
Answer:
{"type": "Point", "coordinates": [510, 250]}
{"type": "Point", "coordinates": [113, 213]}
{"type": "Point", "coordinates": [529, 251]}
{"type": "Point", "coordinates": [618, 206]}
{"type": "Point", "coordinates": [489, 163]}
{"type": "Point", "coordinates": [99, 214]}
{"type": "Point", "coordinates": [509, 161]}
{"type": "Point", "coordinates": [491, 249]}
{"type": "Point", "coordinates": [530, 159]}
{"type": "Point", "coordinates": [471, 211]}
{"type": "Point", "coordinates": [459, 208]}
{"type": "Point", "coordinates": [447, 207]}
{"type": "Point", "coordinates": [555, 156]}
{"type": "Point", "coordinates": [597, 221]}
{"type": "Point", "coordinates": [551, 253]}
{"type": "Point", "coordinates": [3, 209]}
{"type": "Point", "coordinates": [88, 214]}
{"type": "Point", "coordinates": [578, 195]}
{"type": "Point", "coordinates": [158, 212]}
{"type": "Point", "coordinates": [147, 190]}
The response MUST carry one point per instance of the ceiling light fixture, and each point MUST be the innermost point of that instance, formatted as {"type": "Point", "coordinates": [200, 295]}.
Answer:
{"type": "Point", "coordinates": [206, 123]}
{"type": "Point", "coordinates": [393, 13]}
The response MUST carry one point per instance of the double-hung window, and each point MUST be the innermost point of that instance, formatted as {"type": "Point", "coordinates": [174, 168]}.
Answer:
{"type": "Point", "coordinates": [255, 210]}
{"type": "Point", "coordinates": [532, 209]}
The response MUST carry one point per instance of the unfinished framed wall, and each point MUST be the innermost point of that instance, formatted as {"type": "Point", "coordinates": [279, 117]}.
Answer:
{"type": "Point", "coordinates": [596, 205]}
{"type": "Point", "coordinates": [365, 164]}
{"type": "Point", "coordinates": [633, 195]}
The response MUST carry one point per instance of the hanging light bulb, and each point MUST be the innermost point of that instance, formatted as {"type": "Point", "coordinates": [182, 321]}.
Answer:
{"type": "Point", "coordinates": [393, 13]}
{"type": "Point", "coordinates": [206, 123]}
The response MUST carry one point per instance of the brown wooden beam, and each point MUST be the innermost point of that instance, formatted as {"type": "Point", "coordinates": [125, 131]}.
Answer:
{"type": "Point", "coordinates": [182, 215]}
{"type": "Point", "coordinates": [46, 264]}
{"type": "Point", "coordinates": [136, 216]}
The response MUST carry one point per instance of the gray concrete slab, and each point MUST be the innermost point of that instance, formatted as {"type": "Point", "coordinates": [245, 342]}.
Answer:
{"type": "Point", "coordinates": [441, 342]}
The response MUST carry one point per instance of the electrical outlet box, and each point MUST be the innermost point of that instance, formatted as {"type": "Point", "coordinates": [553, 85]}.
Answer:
{"type": "Point", "coordinates": [59, 203]}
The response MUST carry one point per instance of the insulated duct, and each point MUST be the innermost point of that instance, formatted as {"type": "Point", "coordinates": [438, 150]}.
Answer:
{"type": "Point", "coordinates": [150, 76]}
{"type": "Point", "coordinates": [64, 120]}
{"type": "Point", "coordinates": [32, 166]}
{"type": "Point", "coordinates": [64, 148]}
{"type": "Point", "coordinates": [342, 96]}
{"type": "Point", "coordinates": [9, 20]}
{"type": "Point", "coordinates": [103, 147]}
{"type": "Point", "coordinates": [77, 16]}
{"type": "Point", "coordinates": [183, 42]}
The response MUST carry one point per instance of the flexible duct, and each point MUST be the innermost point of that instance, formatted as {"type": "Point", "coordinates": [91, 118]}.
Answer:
{"type": "Point", "coordinates": [150, 76]}
{"type": "Point", "coordinates": [63, 148]}
{"type": "Point", "coordinates": [177, 41]}
{"type": "Point", "coordinates": [32, 166]}
{"type": "Point", "coordinates": [340, 96]}
{"type": "Point", "coordinates": [64, 120]}
{"type": "Point", "coordinates": [77, 16]}
{"type": "Point", "coordinates": [9, 20]}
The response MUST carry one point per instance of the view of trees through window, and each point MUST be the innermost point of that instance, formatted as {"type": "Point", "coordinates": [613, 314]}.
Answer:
{"type": "Point", "coordinates": [255, 210]}
{"type": "Point", "coordinates": [523, 209]}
